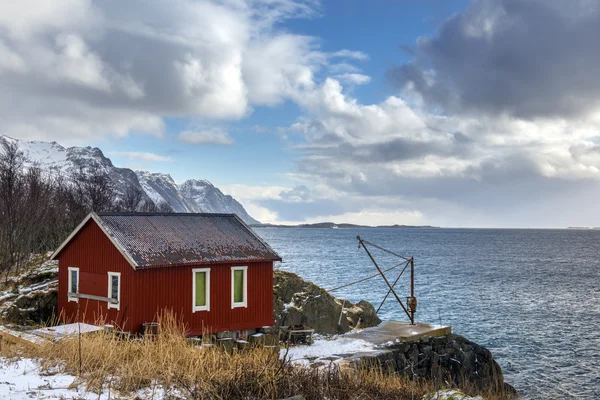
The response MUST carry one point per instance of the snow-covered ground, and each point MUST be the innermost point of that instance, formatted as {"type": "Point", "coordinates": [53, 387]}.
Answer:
{"type": "Point", "coordinates": [59, 331]}
{"type": "Point", "coordinates": [327, 349]}
{"type": "Point", "coordinates": [24, 379]}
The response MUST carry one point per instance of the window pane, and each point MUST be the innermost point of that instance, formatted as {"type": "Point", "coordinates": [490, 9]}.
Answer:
{"type": "Point", "coordinates": [73, 281]}
{"type": "Point", "coordinates": [238, 286]}
{"type": "Point", "coordinates": [114, 289]}
{"type": "Point", "coordinates": [200, 299]}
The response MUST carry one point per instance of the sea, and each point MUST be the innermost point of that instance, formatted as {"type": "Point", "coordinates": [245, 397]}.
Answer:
{"type": "Point", "coordinates": [532, 297]}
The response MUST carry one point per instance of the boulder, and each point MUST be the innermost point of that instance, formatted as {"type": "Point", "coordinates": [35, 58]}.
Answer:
{"type": "Point", "coordinates": [298, 302]}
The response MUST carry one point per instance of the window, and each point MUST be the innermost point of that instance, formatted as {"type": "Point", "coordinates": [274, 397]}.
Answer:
{"type": "Point", "coordinates": [73, 284]}
{"type": "Point", "coordinates": [239, 287]}
{"type": "Point", "coordinates": [201, 289]}
{"type": "Point", "coordinates": [114, 289]}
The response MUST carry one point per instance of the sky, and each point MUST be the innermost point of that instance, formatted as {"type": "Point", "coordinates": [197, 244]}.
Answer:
{"type": "Point", "coordinates": [480, 113]}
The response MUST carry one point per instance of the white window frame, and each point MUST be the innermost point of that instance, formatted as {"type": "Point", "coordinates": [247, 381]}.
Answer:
{"type": "Point", "coordinates": [69, 282]}
{"type": "Point", "coordinates": [116, 305]}
{"type": "Point", "coordinates": [244, 285]}
{"type": "Point", "coordinates": [207, 290]}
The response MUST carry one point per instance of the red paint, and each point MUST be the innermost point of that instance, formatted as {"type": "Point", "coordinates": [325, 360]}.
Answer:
{"type": "Point", "coordinates": [147, 292]}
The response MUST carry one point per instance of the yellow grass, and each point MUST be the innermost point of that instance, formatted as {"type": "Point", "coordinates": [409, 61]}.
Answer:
{"type": "Point", "coordinates": [170, 361]}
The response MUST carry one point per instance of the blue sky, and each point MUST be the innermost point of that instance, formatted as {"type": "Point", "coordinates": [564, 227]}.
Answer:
{"type": "Point", "coordinates": [479, 113]}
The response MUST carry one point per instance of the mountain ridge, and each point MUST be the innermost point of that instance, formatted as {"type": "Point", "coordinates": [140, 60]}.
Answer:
{"type": "Point", "coordinates": [193, 195]}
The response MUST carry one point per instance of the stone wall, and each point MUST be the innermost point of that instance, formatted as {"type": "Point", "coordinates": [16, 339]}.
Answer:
{"type": "Point", "coordinates": [450, 358]}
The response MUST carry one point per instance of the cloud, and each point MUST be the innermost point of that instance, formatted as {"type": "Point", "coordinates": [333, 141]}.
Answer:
{"type": "Point", "coordinates": [476, 170]}
{"type": "Point", "coordinates": [357, 55]}
{"type": "Point", "coordinates": [82, 69]}
{"type": "Point", "coordinates": [374, 218]}
{"type": "Point", "coordinates": [357, 79]}
{"type": "Point", "coordinates": [142, 156]}
{"type": "Point", "coordinates": [525, 58]}
{"type": "Point", "coordinates": [210, 136]}
{"type": "Point", "coordinates": [300, 204]}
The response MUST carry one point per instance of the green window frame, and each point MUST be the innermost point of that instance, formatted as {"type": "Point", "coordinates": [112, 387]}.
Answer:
{"type": "Point", "coordinates": [239, 286]}
{"type": "Point", "coordinates": [201, 289]}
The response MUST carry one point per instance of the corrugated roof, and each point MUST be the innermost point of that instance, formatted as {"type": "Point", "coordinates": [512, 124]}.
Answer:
{"type": "Point", "coordinates": [176, 239]}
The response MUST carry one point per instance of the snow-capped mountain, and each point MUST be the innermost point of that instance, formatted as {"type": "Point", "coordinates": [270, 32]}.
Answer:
{"type": "Point", "coordinates": [192, 196]}
{"type": "Point", "coordinates": [161, 187]}
{"type": "Point", "coordinates": [210, 199]}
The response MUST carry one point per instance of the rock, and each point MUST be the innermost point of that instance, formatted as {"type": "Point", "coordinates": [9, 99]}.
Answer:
{"type": "Point", "coordinates": [451, 394]}
{"type": "Point", "coordinates": [452, 357]}
{"type": "Point", "coordinates": [31, 297]}
{"type": "Point", "coordinates": [298, 302]}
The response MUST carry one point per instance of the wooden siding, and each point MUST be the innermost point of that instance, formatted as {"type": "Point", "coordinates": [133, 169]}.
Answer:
{"type": "Point", "coordinates": [147, 292]}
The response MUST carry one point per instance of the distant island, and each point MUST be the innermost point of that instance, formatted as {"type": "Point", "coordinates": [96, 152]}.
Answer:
{"type": "Point", "coordinates": [332, 225]}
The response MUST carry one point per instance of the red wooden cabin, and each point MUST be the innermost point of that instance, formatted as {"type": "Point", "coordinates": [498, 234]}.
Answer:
{"type": "Point", "coordinates": [212, 270]}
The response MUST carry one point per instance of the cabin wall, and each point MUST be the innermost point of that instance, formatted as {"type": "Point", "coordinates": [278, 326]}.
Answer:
{"type": "Point", "coordinates": [171, 287]}
{"type": "Point", "coordinates": [95, 255]}
{"type": "Point", "coordinates": [147, 292]}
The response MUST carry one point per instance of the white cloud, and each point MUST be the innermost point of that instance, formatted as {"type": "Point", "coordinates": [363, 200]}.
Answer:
{"type": "Point", "coordinates": [374, 218]}
{"type": "Point", "coordinates": [251, 192]}
{"type": "Point", "coordinates": [142, 156]}
{"type": "Point", "coordinates": [207, 136]}
{"type": "Point", "coordinates": [357, 79]}
{"type": "Point", "coordinates": [345, 53]}
{"type": "Point", "coordinates": [74, 64]}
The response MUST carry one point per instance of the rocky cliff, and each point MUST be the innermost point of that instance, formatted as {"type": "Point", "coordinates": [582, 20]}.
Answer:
{"type": "Point", "coordinates": [297, 301]}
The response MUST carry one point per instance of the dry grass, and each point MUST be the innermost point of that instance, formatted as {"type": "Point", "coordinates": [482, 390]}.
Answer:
{"type": "Point", "coordinates": [171, 361]}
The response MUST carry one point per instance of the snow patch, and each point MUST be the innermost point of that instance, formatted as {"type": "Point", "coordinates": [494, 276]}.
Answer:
{"type": "Point", "coordinates": [24, 379]}
{"type": "Point", "coordinates": [327, 348]}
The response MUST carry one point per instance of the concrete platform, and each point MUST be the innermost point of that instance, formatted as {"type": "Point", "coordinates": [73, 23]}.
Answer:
{"type": "Point", "coordinates": [398, 331]}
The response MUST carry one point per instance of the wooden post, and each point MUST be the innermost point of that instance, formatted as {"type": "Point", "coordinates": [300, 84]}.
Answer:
{"type": "Point", "coordinates": [412, 289]}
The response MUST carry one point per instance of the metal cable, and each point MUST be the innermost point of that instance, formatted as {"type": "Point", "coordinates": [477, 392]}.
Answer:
{"type": "Point", "coordinates": [367, 278]}
{"type": "Point", "coordinates": [386, 250]}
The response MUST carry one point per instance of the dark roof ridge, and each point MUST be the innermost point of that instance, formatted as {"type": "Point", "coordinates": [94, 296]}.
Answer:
{"type": "Point", "coordinates": [159, 214]}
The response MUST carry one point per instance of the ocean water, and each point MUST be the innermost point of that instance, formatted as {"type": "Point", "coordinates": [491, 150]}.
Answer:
{"type": "Point", "coordinates": [530, 296]}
